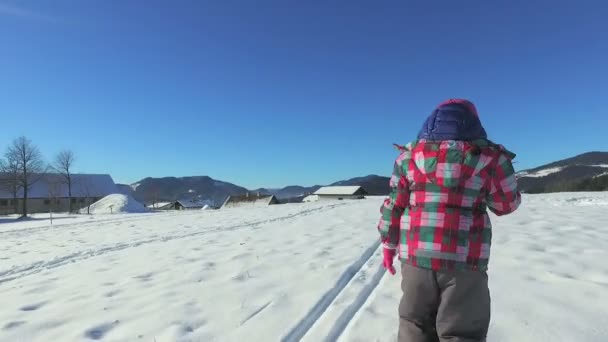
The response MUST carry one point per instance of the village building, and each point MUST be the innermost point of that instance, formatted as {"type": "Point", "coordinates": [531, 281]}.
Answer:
{"type": "Point", "coordinates": [184, 205]}
{"type": "Point", "coordinates": [249, 200]}
{"type": "Point", "coordinates": [337, 193]}
{"type": "Point", "coordinates": [50, 193]}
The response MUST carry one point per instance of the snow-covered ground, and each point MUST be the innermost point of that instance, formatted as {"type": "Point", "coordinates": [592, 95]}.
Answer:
{"type": "Point", "coordinates": [282, 273]}
{"type": "Point", "coordinates": [115, 203]}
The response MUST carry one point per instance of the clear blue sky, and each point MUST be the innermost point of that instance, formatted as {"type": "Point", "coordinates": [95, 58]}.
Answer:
{"type": "Point", "coordinates": [272, 93]}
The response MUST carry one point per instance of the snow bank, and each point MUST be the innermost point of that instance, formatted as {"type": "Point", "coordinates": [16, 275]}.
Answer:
{"type": "Point", "coordinates": [116, 203]}
{"type": "Point", "coordinates": [572, 199]}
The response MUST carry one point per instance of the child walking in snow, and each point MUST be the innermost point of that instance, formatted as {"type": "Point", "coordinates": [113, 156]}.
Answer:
{"type": "Point", "coordinates": [436, 219]}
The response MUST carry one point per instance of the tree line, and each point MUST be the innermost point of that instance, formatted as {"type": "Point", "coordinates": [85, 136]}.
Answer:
{"type": "Point", "coordinates": [23, 165]}
{"type": "Point", "coordinates": [597, 183]}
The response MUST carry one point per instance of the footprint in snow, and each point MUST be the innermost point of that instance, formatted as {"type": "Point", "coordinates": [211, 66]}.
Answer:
{"type": "Point", "coordinates": [112, 293]}
{"type": "Point", "coordinates": [98, 332]}
{"type": "Point", "coordinates": [32, 307]}
{"type": "Point", "coordinates": [190, 327]}
{"type": "Point", "coordinates": [145, 277]}
{"type": "Point", "coordinates": [13, 325]}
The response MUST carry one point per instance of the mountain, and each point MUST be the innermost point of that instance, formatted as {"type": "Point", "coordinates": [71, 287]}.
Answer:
{"type": "Point", "coordinates": [585, 172]}
{"type": "Point", "coordinates": [124, 189]}
{"type": "Point", "coordinates": [375, 185]}
{"type": "Point", "coordinates": [201, 188]}
{"type": "Point", "coordinates": [205, 188]}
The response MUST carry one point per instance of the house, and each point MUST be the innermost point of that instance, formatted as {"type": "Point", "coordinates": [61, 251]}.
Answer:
{"type": "Point", "coordinates": [183, 205]}
{"type": "Point", "coordinates": [157, 205]}
{"type": "Point", "coordinates": [50, 193]}
{"type": "Point", "coordinates": [337, 193]}
{"type": "Point", "coordinates": [249, 200]}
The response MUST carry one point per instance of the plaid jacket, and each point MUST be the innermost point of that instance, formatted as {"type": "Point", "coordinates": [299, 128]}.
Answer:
{"type": "Point", "coordinates": [436, 213]}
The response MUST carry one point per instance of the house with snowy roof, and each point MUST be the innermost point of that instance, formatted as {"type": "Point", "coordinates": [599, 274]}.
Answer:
{"type": "Point", "coordinates": [185, 205]}
{"type": "Point", "coordinates": [249, 200]}
{"type": "Point", "coordinates": [50, 193]}
{"type": "Point", "coordinates": [337, 193]}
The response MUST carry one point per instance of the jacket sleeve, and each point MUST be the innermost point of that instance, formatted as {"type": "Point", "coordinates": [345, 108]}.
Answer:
{"type": "Point", "coordinates": [395, 205]}
{"type": "Point", "coordinates": [503, 197]}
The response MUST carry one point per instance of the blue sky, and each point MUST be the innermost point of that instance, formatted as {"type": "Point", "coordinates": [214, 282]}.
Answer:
{"type": "Point", "coordinates": [272, 93]}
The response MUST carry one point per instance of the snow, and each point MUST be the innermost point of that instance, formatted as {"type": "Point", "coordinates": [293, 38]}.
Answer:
{"type": "Point", "coordinates": [116, 203]}
{"type": "Point", "coordinates": [552, 170]}
{"type": "Point", "coordinates": [191, 190]}
{"type": "Point", "coordinates": [311, 198]}
{"type": "Point", "coordinates": [285, 272]}
{"type": "Point", "coordinates": [601, 175]}
{"type": "Point", "coordinates": [135, 186]}
{"type": "Point", "coordinates": [337, 190]}
{"type": "Point", "coordinates": [242, 202]}
{"type": "Point", "coordinates": [541, 173]}
{"type": "Point", "coordinates": [158, 204]}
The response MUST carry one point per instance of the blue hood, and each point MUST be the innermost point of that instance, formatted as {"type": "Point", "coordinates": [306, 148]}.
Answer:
{"type": "Point", "coordinates": [452, 121]}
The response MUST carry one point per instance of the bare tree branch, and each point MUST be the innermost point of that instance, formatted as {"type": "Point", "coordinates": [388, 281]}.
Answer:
{"type": "Point", "coordinates": [30, 165]}
{"type": "Point", "coordinates": [10, 178]}
{"type": "Point", "coordinates": [86, 189]}
{"type": "Point", "coordinates": [63, 164]}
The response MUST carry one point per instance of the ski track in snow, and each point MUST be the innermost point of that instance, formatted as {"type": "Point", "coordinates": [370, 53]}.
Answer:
{"type": "Point", "coordinates": [347, 316]}
{"type": "Point", "coordinates": [17, 272]}
{"type": "Point", "coordinates": [318, 312]}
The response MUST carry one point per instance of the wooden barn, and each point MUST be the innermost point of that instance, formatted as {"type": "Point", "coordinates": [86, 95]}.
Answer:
{"type": "Point", "coordinates": [249, 200]}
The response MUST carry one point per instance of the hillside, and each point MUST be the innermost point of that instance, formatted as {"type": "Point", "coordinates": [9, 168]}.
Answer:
{"type": "Point", "coordinates": [375, 185]}
{"type": "Point", "coordinates": [585, 172]}
{"type": "Point", "coordinates": [150, 190]}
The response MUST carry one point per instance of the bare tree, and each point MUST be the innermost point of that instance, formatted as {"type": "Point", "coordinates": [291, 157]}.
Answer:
{"type": "Point", "coordinates": [152, 196]}
{"type": "Point", "coordinates": [63, 164]}
{"type": "Point", "coordinates": [30, 167]}
{"type": "Point", "coordinates": [10, 178]}
{"type": "Point", "coordinates": [86, 191]}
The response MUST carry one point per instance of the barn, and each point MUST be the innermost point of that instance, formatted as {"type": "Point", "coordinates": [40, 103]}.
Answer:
{"type": "Point", "coordinates": [338, 193]}
{"type": "Point", "coordinates": [183, 205]}
{"type": "Point", "coordinates": [50, 193]}
{"type": "Point", "coordinates": [249, 200]}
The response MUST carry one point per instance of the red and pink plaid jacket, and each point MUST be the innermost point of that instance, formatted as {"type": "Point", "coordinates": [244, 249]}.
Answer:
{"type": "Point", "coordinates": [437, 212]}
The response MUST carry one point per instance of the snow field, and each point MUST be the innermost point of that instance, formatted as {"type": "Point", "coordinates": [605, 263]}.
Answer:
{"type": "Point", "coordinates": [307, 272]}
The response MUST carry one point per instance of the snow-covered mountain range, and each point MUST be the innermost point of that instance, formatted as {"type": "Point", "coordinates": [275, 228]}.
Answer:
{"type": "Point", "coordinates": [585, 172]}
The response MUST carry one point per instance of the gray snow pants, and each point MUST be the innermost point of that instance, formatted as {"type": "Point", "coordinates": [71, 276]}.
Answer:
{"type": "Point", "coordinates": [443, 306]}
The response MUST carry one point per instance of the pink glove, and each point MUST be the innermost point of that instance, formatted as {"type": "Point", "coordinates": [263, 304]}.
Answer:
{"type": "Point", "coordinates": [387, 262]}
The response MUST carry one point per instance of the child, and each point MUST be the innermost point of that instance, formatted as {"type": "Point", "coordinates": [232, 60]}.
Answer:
{"type": "Point", "coordinates": [442, 186]}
